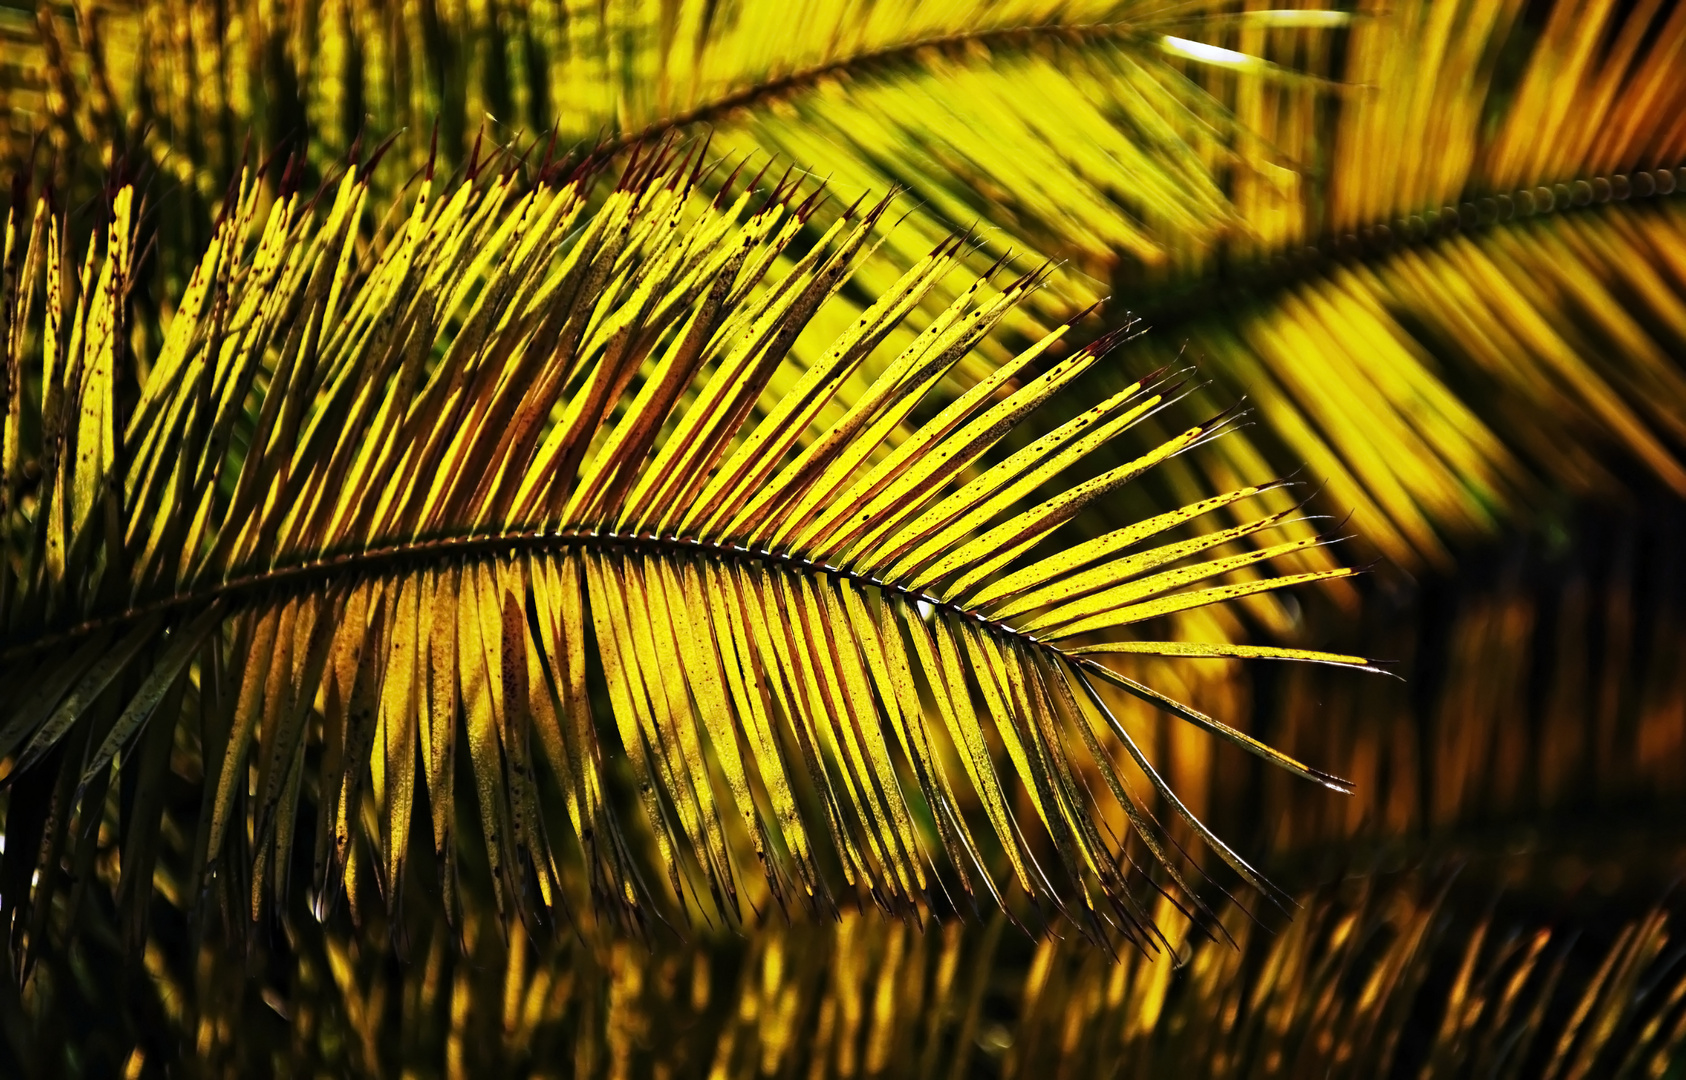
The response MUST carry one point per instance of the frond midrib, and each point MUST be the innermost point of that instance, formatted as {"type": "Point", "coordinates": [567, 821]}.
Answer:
{"type": "Point", "coordinates": [301, 577]}
{"type": "Point", "coordinates": [1196, 296]}
{"type": "Point", "coordinates": [1017, 37]}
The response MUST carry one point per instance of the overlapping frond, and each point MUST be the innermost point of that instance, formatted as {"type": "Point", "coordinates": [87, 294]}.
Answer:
{"type": "Point", "coordinates": [533, 486]}
{"type": "Point", "coordinates": [1378, 978]}
{"type": "Point", "coordinates": [1158, 152]}
{"type": "Point", "coordinates": [1079, 132]}
{"type": "Point", "coordinates": [1442, 386]}
{"type": "Point", "coordinates": [1154, 150]}
{"type": "Point", "coordinates": [1080, 114]}
{"type": "Point", "coordinates": [1488, 300]}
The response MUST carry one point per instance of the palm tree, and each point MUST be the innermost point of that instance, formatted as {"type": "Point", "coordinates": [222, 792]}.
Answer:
{"type": "Point", "coordinates": [1434, 329]}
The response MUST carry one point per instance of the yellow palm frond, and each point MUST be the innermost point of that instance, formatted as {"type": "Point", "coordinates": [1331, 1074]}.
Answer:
{"type": "Point", "coordinates": [1387, 268]}
{"type": "Point", "coordinates": [1078, 132]}
{"type": "Point", "coordinates": [1487, 303]}
{"type": "Point", "coordinates": [1083, 115]}
{"type": "Point", "coordinates": [510, 487]}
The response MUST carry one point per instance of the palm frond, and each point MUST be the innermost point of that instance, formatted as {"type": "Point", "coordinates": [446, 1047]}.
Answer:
{"type": "Point", "coordinates": [1086, 104]}
{"type": "Point", "coordinates": [1487, 304]}
{"type": "Point", "coordinates": [532, 483]}
{"type": "Point", "coordinates": [1545, 700]}
{"type": "Point", "coordinates": [1080, 132]}
{"type": "Point", "coordinates": [1376, 977]}
{"type": "Point", "coordinates": [1386, 269]}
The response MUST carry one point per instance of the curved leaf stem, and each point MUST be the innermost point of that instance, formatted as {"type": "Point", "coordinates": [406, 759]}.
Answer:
{"type": "Point", "coordinates": [379, 560]}
{"type": "Point", "coordinates": [1199, 295]}
{"type": "Point", "coordinates": [1016, 36]}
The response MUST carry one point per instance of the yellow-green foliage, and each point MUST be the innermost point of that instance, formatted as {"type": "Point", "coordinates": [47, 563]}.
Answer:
{"type": "Point", "coordinates": [513, 487]}
{"type": "Point", "coordinates": [1451, 222]}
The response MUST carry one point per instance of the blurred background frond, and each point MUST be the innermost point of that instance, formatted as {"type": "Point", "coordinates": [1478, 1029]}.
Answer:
{"type": "Point", "coordinates": [1392, 975]}
{"type": "Point", "coordinates": [1437, 241]}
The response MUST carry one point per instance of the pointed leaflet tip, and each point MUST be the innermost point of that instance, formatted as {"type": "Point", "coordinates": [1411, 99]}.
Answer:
{"type": "Point", "coordinates": [726, 185]}
{"type": "Point", "coordinates": [292, 174]}
{"type": "Point", "coordinates": [548, 162]}
{"type": "Point", "coordinates": [34, 149]}
{"type": "Point", "coordinates": [380, 152]}
{"type": "Point", "coordinates": [230, 197]}
{"type": "Point", "coordinates": [670, 144]}
{"type": "Point", "coordinates": [290, 138]}
{"type": "Point", "coordinates": [755, 181]}
{"type": "Point", "coordinates": [1225, 415]}
{"type": "Point", "coordinates": [516, 164]}
{"type": "Point", "coordinates": [995, 268]}
{"type": "Point", "coordinates": [877, 212]}
{"type": "Point", "coordinates": [704, 173]}
{"type": "Point", "coordinates": [698, 174]}
{"type": "Point", "coordinates": [126, 172]}
{"type": "Point", "coordinates": [1031, 279]}
{"type": "Point", "coordinates": [807, 208]}
{"type": "Point", "coordinates": [1110, 340]}
{"type": "Point", "coordinates": [640, 177]}
{"type": "Point", "coordinates": [1090, 310]}
{"type": "Point", "coordinates": [356, 150]}
{"type": "Point", "coordinates": [332, 179]}
{"type": "Point", "coordinates": [589, 166]}
{"type": "Point", "coordinates": [681, 177]}
{"type": "Point", "coordinates": [472, 172]}
{"type": "Point", "coordinates": [778, 194]}
{"type": "Point", "coordinates": [909, 212]}
{"type": "Point", "coordinates": [634, 158]}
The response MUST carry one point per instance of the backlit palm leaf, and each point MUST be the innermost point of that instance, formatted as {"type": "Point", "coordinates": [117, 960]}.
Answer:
{"type": "Point", "coordinates": [511, 488]}
{"type": "Point", "coordinates": [1079, 132]}
{"type": "Point", "coordinates": [1081, 116]}
{"type": "Point", "coordinates": [1494, 295]}
{"type": "Point", "coordinates": [1387, 269]}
